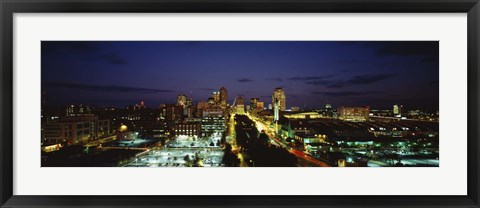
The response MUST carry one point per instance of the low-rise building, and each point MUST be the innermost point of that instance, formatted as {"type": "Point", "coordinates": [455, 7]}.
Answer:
{"type": "Point", "coordinates": [187, 129]}
{"type": "Point", "coordinates": [72, 130]}
{"type": "Point", "coordinates": [354, 113]}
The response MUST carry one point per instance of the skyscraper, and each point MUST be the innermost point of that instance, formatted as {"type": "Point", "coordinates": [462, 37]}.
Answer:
{"type": "Point", "coordinates": [216, 97]}
{"type": "Point", "coordinates": [276, 108]}
{"type": "Point", "coordinates": [223, 97]}
{"type": "Point", "coordinates": [279, 94]}
{"type": "Point", "coordinates": [397, 110]}
{"type": "Point", "coordinates": [182, 100]}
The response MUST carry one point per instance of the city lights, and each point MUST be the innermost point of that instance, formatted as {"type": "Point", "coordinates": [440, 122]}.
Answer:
{"type": "Point", "coordinates": [240, 104]}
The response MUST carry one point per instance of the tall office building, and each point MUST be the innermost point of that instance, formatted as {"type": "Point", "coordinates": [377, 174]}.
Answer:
{"type": "Point", "coordinates": [216, 97]}
{"type": "Point", "coordinates": [276, 108]}
{"type": "Point", "coordinates": [171, 113]}
{"type": "Point", "coordinates": [223, 97]}
{"type": "Point", "coordinates": [182, 100]}
{"type": "Point", "coordinates": [397, 110]}
{"type": "Point", "coordinates": [279, 94]}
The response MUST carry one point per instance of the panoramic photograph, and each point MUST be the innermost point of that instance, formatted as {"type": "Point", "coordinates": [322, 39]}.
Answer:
{"type": "Point", "coordinates": [168, 104]}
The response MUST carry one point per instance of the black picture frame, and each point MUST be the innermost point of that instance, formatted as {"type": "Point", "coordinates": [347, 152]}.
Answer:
{"type": "Point", "coordinates": [9, 7]}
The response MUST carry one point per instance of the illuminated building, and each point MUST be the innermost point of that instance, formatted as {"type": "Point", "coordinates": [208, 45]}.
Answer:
{"type": "Point", "coordinates": [216, 97]}
{"type": "Point", "coordinates": [354, 113]}
{"type": "Point", "coordinates": [295, 108]}
{"type": "Point", "coordinates": [397, 110]}
{"type": "Point", "coordinates": [239, 105]}
{"type": "Point", "coordinates": [211, 101]}
{"type": "Point", "coordinates": [171, 112]}
{"type": "Point", "coordinates": [276, 114]}
{"type": "Point", "coordinates": [213, 123]}
{"type": "Point", "coordinates": [304, 115]}
{"type": "Point", "coordinates": [201, 106]}
{"type": "Point", "coordinates": [279, 94]}
{"type": "Point", "coordinates": [187, 129]}
{"type": "Point", "coordinates": [260, 105]}
{"type": "Point", "coordinates": [276, 109]}
{"type": "Point", "coordinates": [270, 106]}
{"type": "Point", "coordinates": [78, 110]}
{"type": "Point", "coordinates": [151, 128]}
{"type": "Point", "coordinates": [182, 100]}
{"type": "Point", "coordinates": [292, 127]}
{"type": "Point", "coordinates": [75, 130]}
{"type": "Point", "coordinates": [212, 111]}
{"type": "Point", "coordinates": [139, 106]}
{"type": "Point", "coordinates": [189, 102]}
{"type": "Point", "coordinates": [328, 112]}
{"type": "Point", "coordinates": [190, 111]}
{"type": "Point", "coordinates": [310, 138]}
{"type": "Point", "coordinates": [255, 106]}
{"type": "Point", "coordinates": [223, 97]}
{"type": "Point", "coordinates": [253, 103]}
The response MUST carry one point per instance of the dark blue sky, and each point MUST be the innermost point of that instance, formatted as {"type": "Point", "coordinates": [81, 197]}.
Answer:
{"type": "Point", "coordinates": [313, 73]}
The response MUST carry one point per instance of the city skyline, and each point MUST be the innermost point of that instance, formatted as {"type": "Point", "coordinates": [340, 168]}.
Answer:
{"type": "Point", "coordinates": [373, 73]}
{"type": "Point", "coordinates": [240, 104]}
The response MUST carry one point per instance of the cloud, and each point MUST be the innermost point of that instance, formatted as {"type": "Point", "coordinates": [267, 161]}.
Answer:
{"type": "Point", "coordinates": [244, 80]}
{"type": "Point", "coordinates": [320, 82]}
{"type": "Point", "coordinates": [360, 80]}
{"type": "Point", "coordinates": [346, 93]}
{"type": "Point", "coordinates": [104, 88]}
{"type": "Point", "coordinates": [331, 83]}
{"type": "Point", "coordinates": [308, 78]}
{"type": "Point", "coordinates": [314, 80]}
{"type": "Point", "coordinates": [112, 58]}
{"type": "Point", "coordinates": [349, 61]}
{"type": "Point", "coordinates": [275, 79]}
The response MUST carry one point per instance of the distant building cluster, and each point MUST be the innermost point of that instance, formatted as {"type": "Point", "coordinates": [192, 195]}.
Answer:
{"type": "Point", "coordinates": [329, 134]}
{"type": "Point", "coordinates": [78, 126]}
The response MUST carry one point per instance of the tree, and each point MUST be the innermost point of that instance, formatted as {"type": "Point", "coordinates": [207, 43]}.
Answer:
{"type": "Point", "coordinates": [188, 161]}
{"type": "Point", "coordinates": [229, 158]}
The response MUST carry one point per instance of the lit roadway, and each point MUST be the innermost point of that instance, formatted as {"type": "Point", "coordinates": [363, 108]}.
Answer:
{"type": "Point", "coordinates": [299, 154]}
{"type": "Point", "coordinates": [233, 141]}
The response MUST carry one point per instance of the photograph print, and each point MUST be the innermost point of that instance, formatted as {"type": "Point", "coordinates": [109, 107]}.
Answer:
{"type": "Point", "coordinates": [167, 104]}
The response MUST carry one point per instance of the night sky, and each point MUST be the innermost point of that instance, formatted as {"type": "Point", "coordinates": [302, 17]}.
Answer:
{"type": "Point", "coordinates": [312, 73]}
